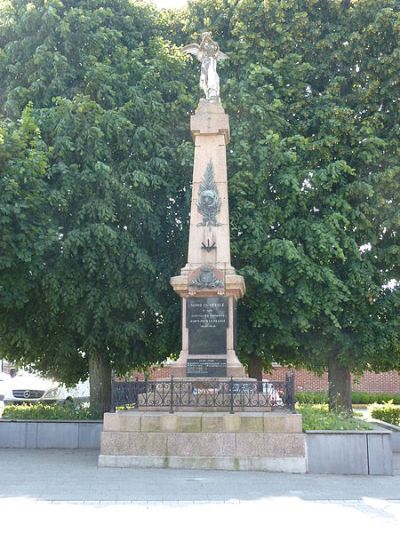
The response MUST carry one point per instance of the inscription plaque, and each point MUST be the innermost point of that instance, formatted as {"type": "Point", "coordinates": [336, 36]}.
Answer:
{"type": "Point", "coordinates": [207, 321]}
{"type": "Point", "coordinates": [210, 368]}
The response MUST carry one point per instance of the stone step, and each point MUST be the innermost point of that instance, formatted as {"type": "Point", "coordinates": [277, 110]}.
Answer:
{"type": "Point", "coordinates": [197, 422]}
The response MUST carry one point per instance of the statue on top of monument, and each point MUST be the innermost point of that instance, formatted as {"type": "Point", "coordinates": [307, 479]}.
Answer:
{"type": "Point", "coordinates": [208, 53]}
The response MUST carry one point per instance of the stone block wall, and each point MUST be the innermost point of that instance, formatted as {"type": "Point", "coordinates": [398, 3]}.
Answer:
{"type": "Point", "coordinates": [242, 441]}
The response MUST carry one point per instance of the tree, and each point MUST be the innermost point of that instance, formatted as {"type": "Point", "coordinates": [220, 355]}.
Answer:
{"type": "Point", "coordinates": [107, 96]}
{"type": "Point", "coordinates": [25, 227]}
{"type": "Point", "coordinates": [312, 92]}
{"type": "Point", "coordinates": [311, 87]}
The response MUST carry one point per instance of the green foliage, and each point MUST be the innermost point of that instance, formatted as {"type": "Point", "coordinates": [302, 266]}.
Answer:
{"type": "Point", "coordinates": [311, 398]}
{"type": "Point", "coordinates": [312, 91]}
{"type": "Point", "coordinates": [89, 241]}
{"type": "Point", "coordinates": [102, 235]}
{"type": "Point", "coordinates": [41, 411]}
{"type": "Point", "coordinates": [317, 417]}
{"type": "Point", "coordinates": [364, 398]}
{"type": "Point", "coordinates": [368, 398]}
{"type": "Point", "coordinates": [26, 230]}
{"type": "Point", "coordinates": [388, 413]}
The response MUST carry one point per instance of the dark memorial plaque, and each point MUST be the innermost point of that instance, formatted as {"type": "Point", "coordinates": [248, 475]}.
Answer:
{"type": "Point", "coordinates": [207, 321]}
{"type": "Point", "coordinates": [208, 368]}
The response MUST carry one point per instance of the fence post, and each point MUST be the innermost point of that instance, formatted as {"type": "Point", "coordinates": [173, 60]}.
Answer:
{"type": "Point", "coordinates": [289, 385]}
{"type": "Point", "coordinates": [171, 408]}
{"type": "Point", "coordinates": [293, 392]}
{"type": "Point", "coordinates": [231, 397]}
{"type": "Point", "coordinates": [112, 393]}
{"type": "Point", "coordinates": [135, 394]}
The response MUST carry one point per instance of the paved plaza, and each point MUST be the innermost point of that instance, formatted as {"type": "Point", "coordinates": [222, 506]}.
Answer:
{"type": "Point", "coordinates": [64, 490]}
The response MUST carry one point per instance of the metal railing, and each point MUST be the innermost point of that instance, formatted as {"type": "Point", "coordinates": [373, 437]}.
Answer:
{"type": "Point", "coordinates": [212, 394]}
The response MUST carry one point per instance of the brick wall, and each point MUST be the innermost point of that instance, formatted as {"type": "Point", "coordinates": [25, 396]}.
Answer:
{"type": "Point", "coordinates": [387, 382]}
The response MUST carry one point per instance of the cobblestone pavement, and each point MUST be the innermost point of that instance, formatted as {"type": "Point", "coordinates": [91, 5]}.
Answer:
{"type": "Point", "coordinates": [64, 490]}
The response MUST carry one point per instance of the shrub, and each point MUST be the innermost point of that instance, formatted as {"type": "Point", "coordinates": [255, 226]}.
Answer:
{"type": "Point", "coordinates": [357, 397]}
{"type": "Point", "coordinates": [388, 413]}
{"type": "Point", "coordinates": [312, 398]}
{"type": "Point", "coordinates": [317, 417]}
{"type": "Point", "coordinates": [374, 397]}
{"type": "Point", "coordinates": [49, 412]}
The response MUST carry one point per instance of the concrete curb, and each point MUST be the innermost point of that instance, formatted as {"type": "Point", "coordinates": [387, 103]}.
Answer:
{"type": "Point", "coordinates": [350, 452]}
{"type": "Point", "coordinates": [328, 452]}
{"type": "Point", "coordinates": [395, 433]}
{"type": "Point", "coordinates": [62, 434]}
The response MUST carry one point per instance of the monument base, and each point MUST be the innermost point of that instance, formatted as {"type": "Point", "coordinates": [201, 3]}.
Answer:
{"type": "Point", "coordinates": [272, 442]}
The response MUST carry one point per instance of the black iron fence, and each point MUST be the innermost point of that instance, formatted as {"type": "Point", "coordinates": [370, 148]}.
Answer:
{"type": "Point", "coordinates": [224, 394]}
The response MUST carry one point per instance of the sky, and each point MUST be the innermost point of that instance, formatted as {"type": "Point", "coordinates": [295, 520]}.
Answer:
{"type": "Point", "coordinates": [170, 3]}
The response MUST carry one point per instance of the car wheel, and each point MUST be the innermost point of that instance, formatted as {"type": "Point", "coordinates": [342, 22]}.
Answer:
{"type": "Point", "coordinates": [68, 402]}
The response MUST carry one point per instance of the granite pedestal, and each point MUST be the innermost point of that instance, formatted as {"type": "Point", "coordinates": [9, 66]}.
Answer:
{"type": "Point", "coordinates": [271, 442]}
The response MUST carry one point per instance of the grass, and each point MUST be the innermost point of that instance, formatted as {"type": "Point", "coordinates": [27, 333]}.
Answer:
{"type": "Point", "coordinates": [40, 411]}
{"type": "Point", "coordinates": [318, 417]}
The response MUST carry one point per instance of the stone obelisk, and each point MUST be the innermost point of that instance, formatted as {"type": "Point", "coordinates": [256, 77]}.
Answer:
{"type": "Point", "coordinates": [208, 284]}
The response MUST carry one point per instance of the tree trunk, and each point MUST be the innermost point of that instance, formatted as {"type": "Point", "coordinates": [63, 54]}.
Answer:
{"type": "Point", "coordinates": [339, 379]}
{"type": "Point", "coordinates": [255, 367]}
{"type": "Point", "coordinates": [100, 383]}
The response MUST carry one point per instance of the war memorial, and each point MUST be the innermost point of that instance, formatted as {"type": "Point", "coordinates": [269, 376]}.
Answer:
{"type": "Point", "coordinates": [209, 414]}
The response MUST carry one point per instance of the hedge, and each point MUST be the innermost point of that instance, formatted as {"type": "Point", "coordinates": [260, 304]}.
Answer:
{"type": "Point", "coordinates": [388, 413]}
{"type": "Point", "coordinates": [321, 397]}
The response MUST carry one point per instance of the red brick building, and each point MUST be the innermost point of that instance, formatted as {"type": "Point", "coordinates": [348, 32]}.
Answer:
{"type": "Point", "coordinates": [385, 382]}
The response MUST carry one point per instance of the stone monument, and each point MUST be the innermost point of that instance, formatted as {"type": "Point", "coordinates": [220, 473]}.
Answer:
{"type": "Point", "coordinates": [208, 284]}
{"type": "Point", "coordinates": [204, 435]}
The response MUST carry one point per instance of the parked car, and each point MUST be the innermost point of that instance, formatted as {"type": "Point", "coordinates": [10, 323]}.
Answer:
{"type": "Point", "coordinates": [3, 380]}
{"type": "Point", "coordinates": [77, 395]}
{"type": "Point", "coordinates": [31, 388]}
